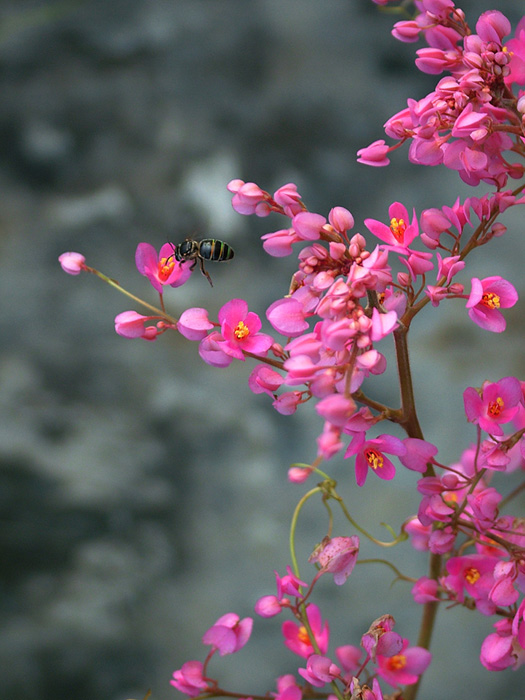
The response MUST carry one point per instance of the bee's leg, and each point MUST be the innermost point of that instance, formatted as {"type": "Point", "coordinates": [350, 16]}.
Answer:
{"type": "Point", "coordinates": [204, 271]}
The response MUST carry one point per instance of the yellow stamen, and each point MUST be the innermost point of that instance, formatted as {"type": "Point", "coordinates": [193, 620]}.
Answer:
{"type": "Point", "coordinates": [166, 266]}
{"type": "Point", "coordinates": [397, 662]}
{"type": "Point", "coordinates": [471, 575]}
{"type": "Point", "coordinates": [398, 228]}
{"type": "Point", "coordinates": [303, 635]}
{"type": "Point", "coordinates": [496, 407]}
{"type": "Point", "coordinates": [491, 300]}
{"type": "Point", "coordinates": [241, 331]}
{"type": "Point", "coordinates": [374, 458]}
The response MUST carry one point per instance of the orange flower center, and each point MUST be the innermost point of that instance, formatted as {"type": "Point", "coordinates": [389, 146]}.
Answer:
{"type": "Point", "coordinates": [374, 458]}
{"type": "Point", "coordinates": [496, 407]}
{"type": "Point", "coordinates": [302, 635]}
{"type": "Point", "coordinates": [471, 575]}
{"type": "Point", "coordinates": [241, 330]}
{"type": "Point", "coordinates": [491, 300]}
{"type": "Point", "coordinates": [397, 662]}
{"type": "Point", "coordinates": [166, 266]}
{"type": "Point", "coordinates": [398, 228]}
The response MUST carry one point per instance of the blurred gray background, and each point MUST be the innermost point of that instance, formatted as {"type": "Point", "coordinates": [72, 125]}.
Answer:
{"type": "Point", "coordinates": [143, 493]}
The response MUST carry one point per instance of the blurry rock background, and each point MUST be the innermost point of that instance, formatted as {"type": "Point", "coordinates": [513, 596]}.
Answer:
{"type": "Point", "coordinates": [142, 493]}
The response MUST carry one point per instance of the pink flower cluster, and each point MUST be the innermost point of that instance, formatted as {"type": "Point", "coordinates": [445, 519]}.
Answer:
{"type": "Point", "coordinates": [471, 122]}
{"type": "Point", "coordinates": [308, 636]}
{"type": "Point", "coordinates": [346, 297]}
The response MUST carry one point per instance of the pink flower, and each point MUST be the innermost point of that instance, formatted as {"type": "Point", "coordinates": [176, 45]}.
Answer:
{"type": "Point", "coordinates": [337, 556]}
{"type": "Point", "coordinates": [474, 574]}
{"type": "Point", "coordinates": [401, 232]}
{"type": "Point", "coordinates": [72, 263]}
{"type": "Point", "coordinates": [405, 667]}
{"type": "Point", "coordinates": [370, 454]}
{"type": "Point", "coordinates": [240, 331]}
{"type": "Point", "coordinates": [296, 636]}
{"type": "Point", "coordinates": [498, 404]}
{"type": "Point", "coordinates": [189, 679]}
{"type": "Point", "coordinates": [229, 633]}
{"type": "Point", "coordinates": [486, 298]}
{"type": "Point", "coordinates": [161, 269]}
{"type": "Point", "coordinates": [516, 49]}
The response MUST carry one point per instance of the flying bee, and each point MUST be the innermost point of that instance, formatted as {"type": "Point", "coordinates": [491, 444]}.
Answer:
{"type": "Point", "coordinates": [199, 251]}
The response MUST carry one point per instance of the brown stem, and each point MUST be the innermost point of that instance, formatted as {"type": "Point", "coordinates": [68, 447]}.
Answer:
{"type": "Point", "coordinates": [411, 425]}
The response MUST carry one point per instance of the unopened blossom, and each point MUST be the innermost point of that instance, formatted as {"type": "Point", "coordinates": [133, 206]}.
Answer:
{"type": "Point", "coordinates": [497, 651]}
{"type": "Point", "coordinates": [320, 670]}
{"type": "Point", "coordinates": [425, 590]}
{"type": "Point", "coordinates": [381, 638]}
{"type": "Point", "coordinates": [268, 606]}
{"type": "Point", "coordinates": [496, 404]}
{"type": "Point", "coordinates": [130, 324]}
{"type": "Point", "coordinates": [287, 317]}
{"type": "Point", "coordinates": [287, 688]}
{"type": "Point", "coordinates": [289, 199]}
{"type": "Point", "coordinates": [194, 324]}
{"type": "Point", "coordinates": [229, 633]}
{"type": "Point", "coordinates": [296, 636]}
{"type": "Point", "coordinates": [190, 679]}
{"type": "Point", "coordinates": [264, 379]}
{"type": "Point", "coordinates": [349, 656]}
{"type": "Point", "coordinates": [341, 219]}
{"type": "Point", "coordinates": [337, 556]}
{"type": "Point", "coordinates": [418, 455]}
{"type": "Point", "coordinates": [161, 268]}
{"type": "Point", "coordinates": [248, 198]}
{"type": "Point", "coordinates": [211, 351]}
{"type": "Point", "coordinates": [486, 298]}
{"type": "Point", "coordinates": [72, 263]}
{"type": "Point", "coordinates": [375, 154]}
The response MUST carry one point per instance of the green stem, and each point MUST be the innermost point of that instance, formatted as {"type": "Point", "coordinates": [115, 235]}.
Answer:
{"type": "Point", "coordinates": [293, 527]}
{"type": "Point", "coordinates": [116, 285]}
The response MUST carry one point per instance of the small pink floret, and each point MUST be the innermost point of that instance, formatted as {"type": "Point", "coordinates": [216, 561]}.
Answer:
{"type": "Point", "coordinates": [72, 263]}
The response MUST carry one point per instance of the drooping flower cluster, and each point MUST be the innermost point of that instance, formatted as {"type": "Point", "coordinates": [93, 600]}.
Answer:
{"type": "Point", "coordinates": [472, 121]}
